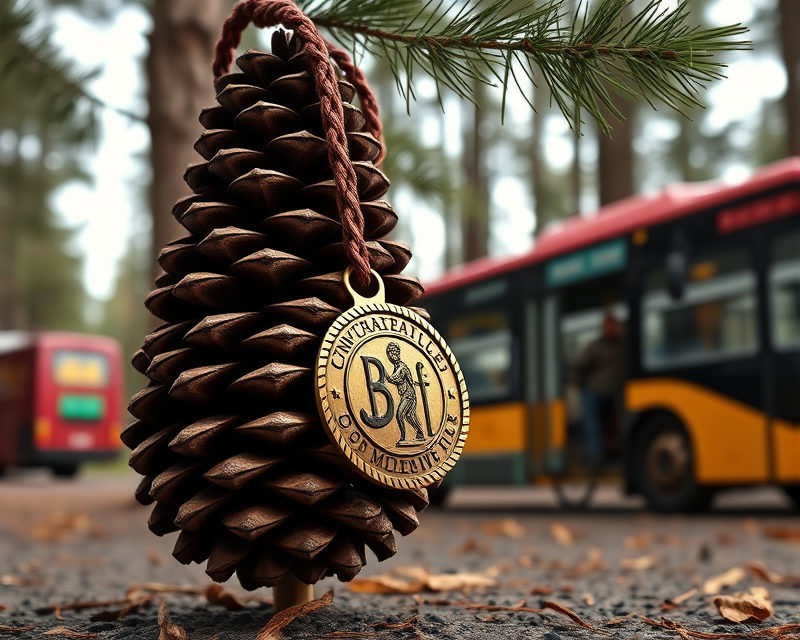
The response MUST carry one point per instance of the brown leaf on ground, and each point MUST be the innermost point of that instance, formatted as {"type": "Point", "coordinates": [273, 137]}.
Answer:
{"type": "Point", "coordinates": [401, 625]}
{"type": "Point", "coordinates": [564, 611]}
{"type": "Point", "coordinates": [168, 630]}
{"type": "Point", "coordinates": [540, 591]}
{"type": "Point", "coordinates": [725, 539]}
{"type": "Point", "coordinates": [752, 605]}
{"type": "Point", "coordinates": [63, 632]}
{"type": "Point", "coordinates": [508, 527]}
{"type": "Point", "coordinates": [526, 562]}
{"type": "Point", "coordinates": [384, 583]}
{"type": "Point", "coordinates": [588, 598]}
{"type": "Point", "coordinates": [593, 562]}
{"type": "Point", "coordinates": [782, 533]}
{"type": "Point", "coordinates": [562, 534]}
{"type": "Point", "coordinates": [9, 580]}
{"type": "Point", "coordinates": [673, 603]}
{"type": "Point", "coordinates": [781, 632]}
{"type": "Point", "coordinates": [154, 557]}
{"type": "Point", "coordinates": [419, 579]}
{"type": "Point", "coordinates": [217, 594]}
{"type": "Point", "coordinates": [274, 628]}
{"type": "Point", "coordinates": [619, 620]}
{"type": "Point", "coordinates": [58, 525]}
{"type": "Point", "coordinates": [160, 587]}
{"type": "Point", "coordinates": [112, 615]}
{"type": "Point", "coordinates": [641, 563]}
{"type": "Point", "coordinates": [760, 571]}
{"type": "Point", "coordinates": [640, 542]}
{"type": "Point", "coordinates": [714, 585]}
{"type": "Point", "coordinates": [3, 607]}
{"type": "Point", "coordinates": [15, 629]}
{"type": "Point", "coordinates": [471, 545]}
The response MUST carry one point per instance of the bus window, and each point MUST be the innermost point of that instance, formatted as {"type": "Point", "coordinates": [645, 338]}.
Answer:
{"type": "Point", "coordinates": [784, 278]}
{"type": "Point", "coordinates": [482, 343]}
{"type": "Point", "coordinates": [80, 369]}
{"type": "Point", "coordinates": [715, 319]}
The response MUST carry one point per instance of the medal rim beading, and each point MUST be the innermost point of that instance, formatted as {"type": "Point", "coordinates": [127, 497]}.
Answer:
{"type": "Point", "coordinates": [340, 441]}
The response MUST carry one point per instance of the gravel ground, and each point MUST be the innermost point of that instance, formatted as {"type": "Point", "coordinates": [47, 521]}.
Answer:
{"type": "Point", "coordinates": [87, 540]}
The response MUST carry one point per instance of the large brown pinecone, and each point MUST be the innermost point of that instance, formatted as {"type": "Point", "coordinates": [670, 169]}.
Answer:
{"type": "Point", "coordinates": [227, 434]}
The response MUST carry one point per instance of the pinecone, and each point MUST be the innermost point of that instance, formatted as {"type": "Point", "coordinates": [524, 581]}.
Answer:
{"type": "Point", "coordinates": [227, 435]}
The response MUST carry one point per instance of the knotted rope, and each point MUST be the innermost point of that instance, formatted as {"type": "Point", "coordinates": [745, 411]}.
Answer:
{"type": "Point", "coordinates": [270, 13]}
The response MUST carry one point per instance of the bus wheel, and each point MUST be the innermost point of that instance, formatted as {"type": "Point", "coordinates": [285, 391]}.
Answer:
{"type": "Point", "coordinates": [793, 491]}
{"type": "Point", "coordinates": [64, 470]}
{"type": "Point", "coordinates": [665, 467]}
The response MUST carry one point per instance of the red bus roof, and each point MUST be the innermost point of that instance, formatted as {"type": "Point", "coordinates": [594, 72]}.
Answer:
{"type": "Point", "coordinates": [620, 218]}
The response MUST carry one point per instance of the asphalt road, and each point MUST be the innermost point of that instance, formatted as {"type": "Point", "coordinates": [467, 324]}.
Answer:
{"type": "Point", "coordinates": [87, 540]}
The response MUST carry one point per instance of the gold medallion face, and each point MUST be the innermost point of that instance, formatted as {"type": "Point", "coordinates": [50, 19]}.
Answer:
{"type": "Point", "coordinates": [392, 396]}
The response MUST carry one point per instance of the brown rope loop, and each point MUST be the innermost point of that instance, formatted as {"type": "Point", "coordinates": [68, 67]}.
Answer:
{"type": "Point", "coordinates": [270, 13]}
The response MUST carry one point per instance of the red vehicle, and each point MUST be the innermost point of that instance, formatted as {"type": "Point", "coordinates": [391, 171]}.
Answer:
{"type": "Point", "coordinates": [60, 400]}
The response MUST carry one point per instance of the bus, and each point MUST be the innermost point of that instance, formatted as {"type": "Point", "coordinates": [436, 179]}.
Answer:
{"type": "Point", "coordinates": [60, 400]}
{"type": "Point", "coordinates": [705, 281]}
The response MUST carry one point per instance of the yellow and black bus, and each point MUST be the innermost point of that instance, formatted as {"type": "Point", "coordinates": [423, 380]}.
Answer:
{"type": "Point", "coordinates": [705, 279]}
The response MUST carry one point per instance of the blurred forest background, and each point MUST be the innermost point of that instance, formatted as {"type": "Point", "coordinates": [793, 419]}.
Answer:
{"type": "Point", "coordinates": [458, 176]}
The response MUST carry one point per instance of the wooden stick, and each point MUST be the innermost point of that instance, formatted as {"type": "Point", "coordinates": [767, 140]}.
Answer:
{"type": "Point", "coordinates": [289, 591]}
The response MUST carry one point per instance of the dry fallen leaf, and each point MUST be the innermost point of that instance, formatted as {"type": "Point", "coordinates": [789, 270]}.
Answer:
{"type": "Point", "coordinates": [782, 632]}
{"type": "Point", "coordinates": [641, 563]}
{"type": "Point", "coordinates": [154, 557]}
{"type": "Point", "coordinates": [15, 629]}
{"type": "Point", "coordinates": [673, 603]}
{"type": "Point", "coordinates": [782, 533]}
{"type": "Point", "coordinates": [753, 605]}
{"type": "Point", "coordinates": [274, 628]}
{"type": "Point", "coordinates": [640, 542]}
{"type": "Point", "coordinates": [217, 594]}
{"type": "Point", "coordinates": [525, 561]}
{"type": "Point", "coordinates": [593, 562]}
{"type": "Point", "coordinates": [384, 583]}
{"type": "Point", "coordinates": [9, 580]}
{"type": "Point", "coordinates": [760, 571]}
{"type": "Point", "coordinates": [508, 527]}
{"type": "Point", "coordinates": [168, 630]}
{"type": "Point", "coordinates": [58, 525]}
{"type": "Point", "coordinates": [588, 598]}
{"type": "Point", "coordinates": [63, 632]}
{"type": "Point", "coordinates": [540, 591]}
{"type": "Point", "coordinates": [402, 625]}
{"type": "Point", "coordinates": [561, 534]}
{"type": "Point", "coordinates": [714, 585]}
{"type": "Point", "coordinates": [469, 545]}
{"type": "Point", "coordinates": [419, 579]}
{"type": "Point", "coordinates": [725, 539]}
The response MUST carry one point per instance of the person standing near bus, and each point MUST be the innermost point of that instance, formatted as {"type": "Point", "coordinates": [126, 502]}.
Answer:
{"type": "Point", "coordinates": [599, 370]}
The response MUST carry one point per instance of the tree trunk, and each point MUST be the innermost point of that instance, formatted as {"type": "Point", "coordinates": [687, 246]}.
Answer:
{"type": "Point", "coordinates": [789, 31]}
{"type": "Point", "coordinates": [476, 187]}
{"type": "Point", "coordinates": [180, 85]}
{"type": "Point", "coordinates": [615, 164]}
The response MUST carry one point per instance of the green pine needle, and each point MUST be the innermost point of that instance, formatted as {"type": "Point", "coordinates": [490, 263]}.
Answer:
{"type": "Point", "coordinates": [654, 54]}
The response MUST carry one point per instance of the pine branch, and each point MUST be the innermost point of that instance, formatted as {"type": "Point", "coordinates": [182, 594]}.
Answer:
{"type": "Point", "coordinates": [654, 54]}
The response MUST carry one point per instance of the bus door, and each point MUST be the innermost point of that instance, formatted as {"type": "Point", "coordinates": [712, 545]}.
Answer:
{"type": "Point", "coordinates": [585, 287]}
{"type": "Point", "coordinates": [701, 360]}
{"type": "Point", "coordinates": [783, 307]}
{"type": "Point", "coordinates": [483, 339]}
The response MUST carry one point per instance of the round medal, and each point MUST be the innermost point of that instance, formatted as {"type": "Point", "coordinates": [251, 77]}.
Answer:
{"type": "Point", "coordinates": [391, 394]}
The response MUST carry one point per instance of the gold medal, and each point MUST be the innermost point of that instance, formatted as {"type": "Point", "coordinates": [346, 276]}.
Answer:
{"type": "Point", "coordinates": [391, 394]}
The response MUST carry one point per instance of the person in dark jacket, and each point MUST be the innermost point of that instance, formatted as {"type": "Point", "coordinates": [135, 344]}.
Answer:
{"type": "Point", "coordinates": [600, 371]}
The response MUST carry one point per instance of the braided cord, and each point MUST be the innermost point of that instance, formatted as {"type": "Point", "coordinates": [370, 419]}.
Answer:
{"type": "Point", "coordinates": [270, 13]}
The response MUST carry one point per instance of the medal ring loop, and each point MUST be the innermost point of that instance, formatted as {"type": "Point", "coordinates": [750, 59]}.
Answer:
{"type": "Point", "coordinates": [358, 299]}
